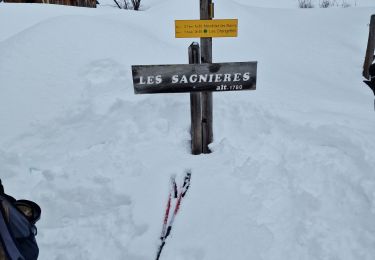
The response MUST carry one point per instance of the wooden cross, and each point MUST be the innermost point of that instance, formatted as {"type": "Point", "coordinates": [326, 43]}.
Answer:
{"type": "Point", "coordinates": [200, 77]}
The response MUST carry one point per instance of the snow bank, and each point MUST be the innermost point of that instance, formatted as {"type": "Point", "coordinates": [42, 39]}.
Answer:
{"type": "Point", "coordinates": [291, 174]}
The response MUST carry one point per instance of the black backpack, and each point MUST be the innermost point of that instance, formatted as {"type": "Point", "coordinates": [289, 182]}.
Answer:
{"type": "Point", "coordinates": [17, 228]}
{"type": "Point", "coordinates": [371, 82]}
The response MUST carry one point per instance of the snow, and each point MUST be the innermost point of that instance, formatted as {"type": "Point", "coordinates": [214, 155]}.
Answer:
{"type": "Point", "coordinates": [291, 175]}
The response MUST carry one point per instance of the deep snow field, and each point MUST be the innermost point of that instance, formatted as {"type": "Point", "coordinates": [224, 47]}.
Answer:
{"type": "Point", "coordinates": [292, 173]}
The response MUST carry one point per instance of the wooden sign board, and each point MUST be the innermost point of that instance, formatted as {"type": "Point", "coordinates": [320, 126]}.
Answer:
{"type": "Point", "coordinates": [206, 28]}
{"type": "Point", "coordinates": [234, 76]}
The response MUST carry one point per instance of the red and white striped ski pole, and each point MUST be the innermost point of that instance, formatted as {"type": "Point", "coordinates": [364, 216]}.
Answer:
{"type": "Point", "coordinates": [172, 192]}
{"type": "Point", "coordinates": [167, 226]}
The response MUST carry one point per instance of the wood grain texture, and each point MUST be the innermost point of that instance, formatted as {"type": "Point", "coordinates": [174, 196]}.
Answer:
{"type": "Point", "coordinates": [80, 3]}
{"type": "Point", "coordinates": [195, 107]}
{"type": "Point", "coordinates": [207, 102]}
{"type": "Point", "coordinates": [166, 72]}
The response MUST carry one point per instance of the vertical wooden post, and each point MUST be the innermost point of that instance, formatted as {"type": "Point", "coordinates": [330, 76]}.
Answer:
{"type": "Point", "coordinates": [206, 57]}
{"type": "Point", "coordinates": [195, 107]}
{"type": "Point", "coordinates": [370, 49]}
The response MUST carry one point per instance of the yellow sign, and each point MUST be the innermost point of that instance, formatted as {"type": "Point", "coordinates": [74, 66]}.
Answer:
{"type": "Point", "coordinates": [206, 28]}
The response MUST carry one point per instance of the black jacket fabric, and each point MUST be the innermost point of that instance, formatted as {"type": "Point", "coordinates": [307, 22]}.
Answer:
{"type": "Point", "coordinates": [17, 236]}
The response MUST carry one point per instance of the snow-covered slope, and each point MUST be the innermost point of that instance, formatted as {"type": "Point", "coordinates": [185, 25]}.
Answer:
{"type": "Point", "coordinates": [291, 175]}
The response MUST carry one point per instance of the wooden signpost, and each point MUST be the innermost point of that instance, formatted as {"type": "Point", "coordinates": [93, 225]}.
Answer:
{"type": "Point", "coordinates": [200, 77]}
{"type": "Point", "coordinates": [206, 13]}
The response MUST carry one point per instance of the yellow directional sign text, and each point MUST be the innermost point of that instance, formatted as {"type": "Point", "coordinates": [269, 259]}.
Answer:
{"type": "Point", "coordinates": [206, 28]}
